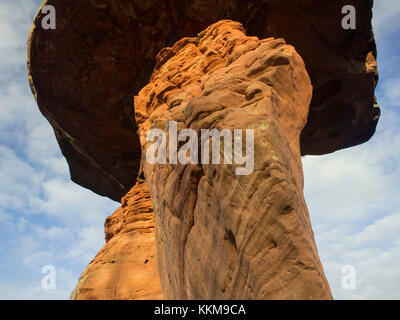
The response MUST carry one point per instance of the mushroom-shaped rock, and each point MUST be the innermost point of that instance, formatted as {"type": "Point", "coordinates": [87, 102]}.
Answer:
{"type": "Point", "coordinates": [85, 73]}
{"type": "Point", "coordinates": [284, 72]}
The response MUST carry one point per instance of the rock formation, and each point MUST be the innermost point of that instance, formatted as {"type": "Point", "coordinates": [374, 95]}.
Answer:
{"type": "Point", "coordinates": [85, 73]}
{"type": "Point", "coordinates": [112, 71]}
{"type": "Point", "coordinates": [126, 268]}
{"type": "Point", "coordinates": [220, 235]}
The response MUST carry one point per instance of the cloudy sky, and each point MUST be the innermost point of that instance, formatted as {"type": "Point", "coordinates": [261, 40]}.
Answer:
{"type": "Point", "coordinates": [353, 195]}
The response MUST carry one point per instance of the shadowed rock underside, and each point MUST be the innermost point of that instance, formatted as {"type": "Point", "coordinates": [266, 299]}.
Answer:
{"type": "Point", "coordinates": [85, 73]}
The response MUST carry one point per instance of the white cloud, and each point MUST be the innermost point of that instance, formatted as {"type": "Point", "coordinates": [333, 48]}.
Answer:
{"type": "Point", "coordinates": [353, 194]}
{"type": "Point", "coordinates": [90, 241]}
{"type": "Point", "coordinates": [377, 269]}
{"type": "Point", "coordinates": [44, 217]}
{"type": "Point", "coordinates": [72, 204]}
{"type": "Point", "coordinates": [31, 289]}
{"type": "Point", "coordinates": [19, 180]}
{"type": "Point", "coordinates": [382, 233]}
{"type": "Point", "coordinates": [16, 17]}
{"type": "Point", "coordinates": [47, 219]}
{"type": "Point", "coordinates": [391, 88]}
{"type": "Point", "coordinates": [357, 182]}
{"type": "Point", "coordinates": [354, 207]}
{"type": "Point", "coordinates": [386, 16]}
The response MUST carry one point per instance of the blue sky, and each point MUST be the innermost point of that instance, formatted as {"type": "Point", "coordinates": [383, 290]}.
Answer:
{"type": "Point", "coordinates": [353, 195]}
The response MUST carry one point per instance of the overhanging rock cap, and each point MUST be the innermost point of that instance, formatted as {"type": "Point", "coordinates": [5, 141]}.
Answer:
{"type": "Point", "coordinates": [85, 73]}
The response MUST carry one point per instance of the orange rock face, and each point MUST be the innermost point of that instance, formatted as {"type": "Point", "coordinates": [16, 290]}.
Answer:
{"type": "Point", "coordinates": [126, 268]}
{"type": "Point", "coordinates": [220, 235]}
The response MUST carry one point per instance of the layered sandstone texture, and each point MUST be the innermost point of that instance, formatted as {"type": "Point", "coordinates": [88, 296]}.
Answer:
{"type": "Point", "coordinates": [220, 235]}
{"type": "Point", "coordinates": [85, 73]}
{"type": "Point", "coordinates": [126, 268]}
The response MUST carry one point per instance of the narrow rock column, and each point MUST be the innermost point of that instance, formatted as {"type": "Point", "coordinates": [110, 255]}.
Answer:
{"type": "Point", "coordinates": [221, 235]}
{"type": "Point", "coordinates": [126, 267]}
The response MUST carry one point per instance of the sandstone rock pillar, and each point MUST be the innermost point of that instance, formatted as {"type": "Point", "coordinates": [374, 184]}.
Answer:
{"type": "Point", "coordinates": [126, 267]}
{"type": "Point", "coordinates": [220, 235]}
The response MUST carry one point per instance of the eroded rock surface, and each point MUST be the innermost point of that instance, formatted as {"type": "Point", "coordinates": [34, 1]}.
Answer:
{"type": "Point", "coordinates": [220, 235]}
{"type": "Point", "coordinates": [85, 73]}
{"type": "Point", "coordinates": [126, 268]}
